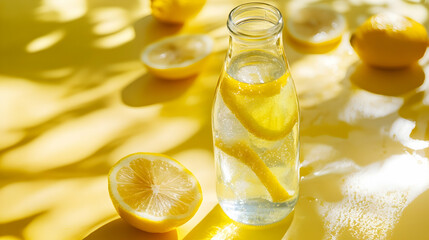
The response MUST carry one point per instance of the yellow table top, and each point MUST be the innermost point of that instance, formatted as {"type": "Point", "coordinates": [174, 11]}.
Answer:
{"type": "Point", "coordinates": [75, 98]}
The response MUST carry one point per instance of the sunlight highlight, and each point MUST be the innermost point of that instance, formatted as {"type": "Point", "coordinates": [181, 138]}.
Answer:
{"type": "Point", "coordinates": [329, 70]}
{"type": "Point", "coordinates": [116, 39]}
{"type": "Point", "coordinates": [46, 41]}
{"type": "Point", "coordinates": [375, 197]}
{"type": "Point", "coordinates": [57, 73]}
{"type": "Point", "coordinates": [401, 131]}
{"type": "Point", "coordinates": [84, 206]}
{"type": "Point", "coordinates": [108, 20]}
{"type": "Point", "coordinates": [61, 11]}
{"type": "Point", "coordinates": [67, 143]}
{"type": "Point", "coordinates": [9, 138]}
{"type": "Point", "coordinates": [170, 132]}
{"type": "Point", "coordinates": [366, 105]}
{"type": "Point", "coordinates": [30, 198]}
{"type": "Point", "coordinates": [224, 232]}
{"type": "Point", "coordinates": [28, 103]}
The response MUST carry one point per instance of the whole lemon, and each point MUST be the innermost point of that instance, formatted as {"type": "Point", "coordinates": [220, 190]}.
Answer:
{"type": "Point", "coordinates": [176, 11]}
{"type": "Point", "coordinates": [389, 40]}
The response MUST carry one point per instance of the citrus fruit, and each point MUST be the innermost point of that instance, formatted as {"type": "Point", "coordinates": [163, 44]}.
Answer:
{"type": "Point", "coordinates": [253, 103]}
{"type": "Point", "coordinates": [177, 57]}
{"type": "Point", "coordinates": [242, 152]}
{"type": "Point", "coordinates": [315, 26]}
{"type": "Point", "coordinates": [153, 192]}
{"type": "Point", "coordinates": [389, 40]}
{"type": "Point", "coordinates": [176, 11]}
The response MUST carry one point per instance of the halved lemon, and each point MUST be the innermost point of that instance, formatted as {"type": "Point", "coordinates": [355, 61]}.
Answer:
{"type": "Point", "coordinates": [268, 110]}
{"type": "Point", "coordinates": [316, 26]}
{"type": "Point", "coordinates": [177, 57]}
{"type": "Point", "coordinates": [153, 192]}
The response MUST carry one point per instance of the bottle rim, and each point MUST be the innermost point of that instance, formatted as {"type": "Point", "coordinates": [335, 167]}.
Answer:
{"type": "Point", "coordinates": [255, 13]}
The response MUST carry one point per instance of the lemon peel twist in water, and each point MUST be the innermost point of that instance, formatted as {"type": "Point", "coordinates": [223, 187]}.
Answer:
{"type": "Point", "coordinates": [252, 103]}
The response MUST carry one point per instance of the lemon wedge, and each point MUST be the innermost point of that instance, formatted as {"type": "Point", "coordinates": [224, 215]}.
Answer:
{"type": "Point", "coordinates": [389, 40]}
{"type": "Point", "coordinates": [153, 192]}
{"type": "Point", "coordinates": [177, 57]}
{"type": "Point", "coordinates": [252, 103]}
{"type": "Point", "coordinates": [316, 26]}
{"type": "Point", "coordinates": [176, 11]}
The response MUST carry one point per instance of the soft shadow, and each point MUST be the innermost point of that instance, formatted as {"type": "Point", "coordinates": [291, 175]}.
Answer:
{"type": "Point", "coordinates": [413, 223]}
{"type": "Point", "coordinates": [119, 229]}
{"type": "Point", "coordinates": [148, 30]}
{"type": "Point", "coordinates": [387, 82]}
{"type": "Point", "coordinates": [148, 90]}
{"type": "Point", "coordinates": [217, 225]}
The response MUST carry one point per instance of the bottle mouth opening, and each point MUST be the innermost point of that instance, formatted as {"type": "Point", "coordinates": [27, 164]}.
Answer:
{"type": "Point", "coordinates": [255, 20]}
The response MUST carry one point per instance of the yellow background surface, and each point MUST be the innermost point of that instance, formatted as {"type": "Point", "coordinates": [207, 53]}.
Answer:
{"type": "Point", "coordinates": [75, 98]}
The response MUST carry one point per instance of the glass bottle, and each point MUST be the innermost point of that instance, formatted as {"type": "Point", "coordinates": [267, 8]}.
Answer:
{"type": "Point", "coordinates": [255, 120]}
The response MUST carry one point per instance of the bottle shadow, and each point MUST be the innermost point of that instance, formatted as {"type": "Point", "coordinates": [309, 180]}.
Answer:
{"type": "Point", "coordinates": [148, 90]}
{"type": "Point", "coordinates": [119, 229]}
{"type": "Point", "coordinates": [387, 82]}
{"type": "Point", "coordinates": [217, 225]}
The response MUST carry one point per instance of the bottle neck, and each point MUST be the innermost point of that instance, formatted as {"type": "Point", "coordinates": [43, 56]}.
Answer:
{"type": "Point", "coordinates": [239, 44]}
{"type": "Point", "coordinates": [255, 27]}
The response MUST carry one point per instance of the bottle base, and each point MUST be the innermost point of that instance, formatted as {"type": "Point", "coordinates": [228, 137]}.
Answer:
{"type": "Point", "coordinates": [257, 211]}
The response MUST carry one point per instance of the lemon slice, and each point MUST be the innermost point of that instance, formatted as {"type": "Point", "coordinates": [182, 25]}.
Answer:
{"type": "Point", "coordinates": [316, 26]}
{"type": "Point", "coordinates": [242, 152]}
{"type": "Point", "coordinates": [177, 57]}
{"type": "Point", "coordinates": [389, 40]}
{"type": "Point", "coordinates": [268, 110]}
{"type": "Point", "coordinates": [153, 192]}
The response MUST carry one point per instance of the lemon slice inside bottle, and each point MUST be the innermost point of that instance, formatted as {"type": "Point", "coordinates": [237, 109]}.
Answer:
{"type": "Point", "coordinates": [267, 110]}
{"type": "Point", "coordinates": [242, 152]}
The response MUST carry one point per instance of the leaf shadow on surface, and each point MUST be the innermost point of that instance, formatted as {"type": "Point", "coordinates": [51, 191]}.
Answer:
{"type": "Point", "coordinates": [119, 229]}
{"type": "Point", "coordinates": [14, 228]}
{"type": "Point", "coordinates": [75, 51]}
{"type": "Point", "coordinates": [148, 90]}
